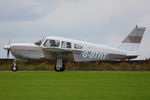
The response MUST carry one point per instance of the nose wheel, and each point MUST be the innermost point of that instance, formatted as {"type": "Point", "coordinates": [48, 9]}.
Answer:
{"type": "Point", "coordinates": [14, 68]}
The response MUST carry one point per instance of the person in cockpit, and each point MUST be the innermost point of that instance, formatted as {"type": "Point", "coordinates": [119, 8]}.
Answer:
{"type": "Point", "coordinates": [52, 43]}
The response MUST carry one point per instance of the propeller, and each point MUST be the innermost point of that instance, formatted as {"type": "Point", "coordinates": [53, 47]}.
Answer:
{"type": "Point", "coordinates": [9, 42]}
{"type": "Point", "coordinates": [7, 47]}
{"type": "Point", "coordinates": [8, 53]}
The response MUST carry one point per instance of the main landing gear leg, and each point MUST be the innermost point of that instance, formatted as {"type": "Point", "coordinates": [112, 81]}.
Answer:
{"type": "Point", "coordinates": [14, 68]}
{"type": "Point", "coordinates": [59, 67]}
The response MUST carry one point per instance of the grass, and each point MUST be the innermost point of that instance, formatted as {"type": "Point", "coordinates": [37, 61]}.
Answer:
{"type": "Point", "coordinates": [75, 86]}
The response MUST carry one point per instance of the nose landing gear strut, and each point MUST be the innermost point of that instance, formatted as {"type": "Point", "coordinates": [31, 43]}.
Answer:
{"type": "Point", "coordinates": [14, 68]}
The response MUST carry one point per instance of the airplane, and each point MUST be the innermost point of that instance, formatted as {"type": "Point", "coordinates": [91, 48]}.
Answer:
{"type": "Point", "coordinates": [62, 50]}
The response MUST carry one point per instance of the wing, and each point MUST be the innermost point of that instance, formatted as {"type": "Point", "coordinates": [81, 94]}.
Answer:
{"type": "Point", "coordinates": [57, 53]}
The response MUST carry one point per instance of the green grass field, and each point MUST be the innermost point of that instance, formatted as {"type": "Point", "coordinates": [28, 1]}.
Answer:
{"type": "Point", "coordinates": [75, 86]}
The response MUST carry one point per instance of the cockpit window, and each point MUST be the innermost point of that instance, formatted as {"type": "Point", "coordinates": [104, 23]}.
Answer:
{"type": "Point", "coordinates": [77, 46]}
{"type": "Point", "coordinates": [66, 44]}
{"type": "Point", "coordinates": [52, 43]}
{"type": "Point", "coordinates": [39, 42]}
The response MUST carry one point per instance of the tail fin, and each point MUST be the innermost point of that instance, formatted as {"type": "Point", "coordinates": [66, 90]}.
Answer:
{"type": "Point", "coordinates": [133, 40]}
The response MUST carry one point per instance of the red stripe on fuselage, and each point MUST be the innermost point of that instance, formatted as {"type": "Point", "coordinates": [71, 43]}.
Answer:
{"type": "Point", "coordinates": [77, 52]}
{"type": "Point", "coordinates": [116, 56]}
{"type": "Point", "coordinates": [26, 48]}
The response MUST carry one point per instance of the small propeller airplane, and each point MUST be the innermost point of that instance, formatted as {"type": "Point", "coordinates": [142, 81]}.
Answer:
{"type": "Point", "coordinates": [62, 50]}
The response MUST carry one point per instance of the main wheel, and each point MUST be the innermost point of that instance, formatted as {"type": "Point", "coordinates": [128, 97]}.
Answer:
{"type": "Point", "coordinates": [63, 68]}
{"type": "Point", "coordinates": [14, 68]}
{"type": "Point", "coordinates": [60, 69]}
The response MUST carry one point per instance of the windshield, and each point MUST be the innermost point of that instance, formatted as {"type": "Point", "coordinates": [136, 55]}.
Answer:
{"type": "Point", "coordinates": [39, 42]}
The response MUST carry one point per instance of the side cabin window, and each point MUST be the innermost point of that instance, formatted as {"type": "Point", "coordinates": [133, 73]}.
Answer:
{"type": "Point", "coordinates": [66, 44]}
{"type": "Point", "coordinates": [52, 43]}
{"type": "Point", "coordinates": [77, 46]}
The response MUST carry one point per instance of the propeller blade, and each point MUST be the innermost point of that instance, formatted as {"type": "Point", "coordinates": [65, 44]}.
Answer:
{"type": "Point", "coordinates": [8, 53]}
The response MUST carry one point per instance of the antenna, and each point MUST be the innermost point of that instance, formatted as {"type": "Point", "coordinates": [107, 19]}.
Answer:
{"type": "Point", "coordinates": [44, 35]}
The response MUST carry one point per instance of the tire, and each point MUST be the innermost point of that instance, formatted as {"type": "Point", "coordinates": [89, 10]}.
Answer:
{"type": "Point", "coordinates": [14, 68]}
{"type": "Point", "coordinates": [60, 69]}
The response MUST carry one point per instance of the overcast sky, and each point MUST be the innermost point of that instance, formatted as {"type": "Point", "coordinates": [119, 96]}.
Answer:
{"type": "Point", "coordinates": [100, 21]}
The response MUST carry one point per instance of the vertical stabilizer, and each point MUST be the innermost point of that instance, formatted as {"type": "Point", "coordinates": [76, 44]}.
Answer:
{"type": "Point", "coordinates": [133, 40]}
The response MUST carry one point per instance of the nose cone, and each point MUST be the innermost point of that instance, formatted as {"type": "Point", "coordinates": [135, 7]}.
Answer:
{"type": "Point", "coordinates": [7, 47]}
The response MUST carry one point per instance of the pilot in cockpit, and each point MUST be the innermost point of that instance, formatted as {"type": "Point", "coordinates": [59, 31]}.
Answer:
{"type": "Point", "coordinates": [52, 43]}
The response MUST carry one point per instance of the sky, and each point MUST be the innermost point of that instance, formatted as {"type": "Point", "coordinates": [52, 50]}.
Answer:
{"type": "Point", "coordinates": [99, 21]}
